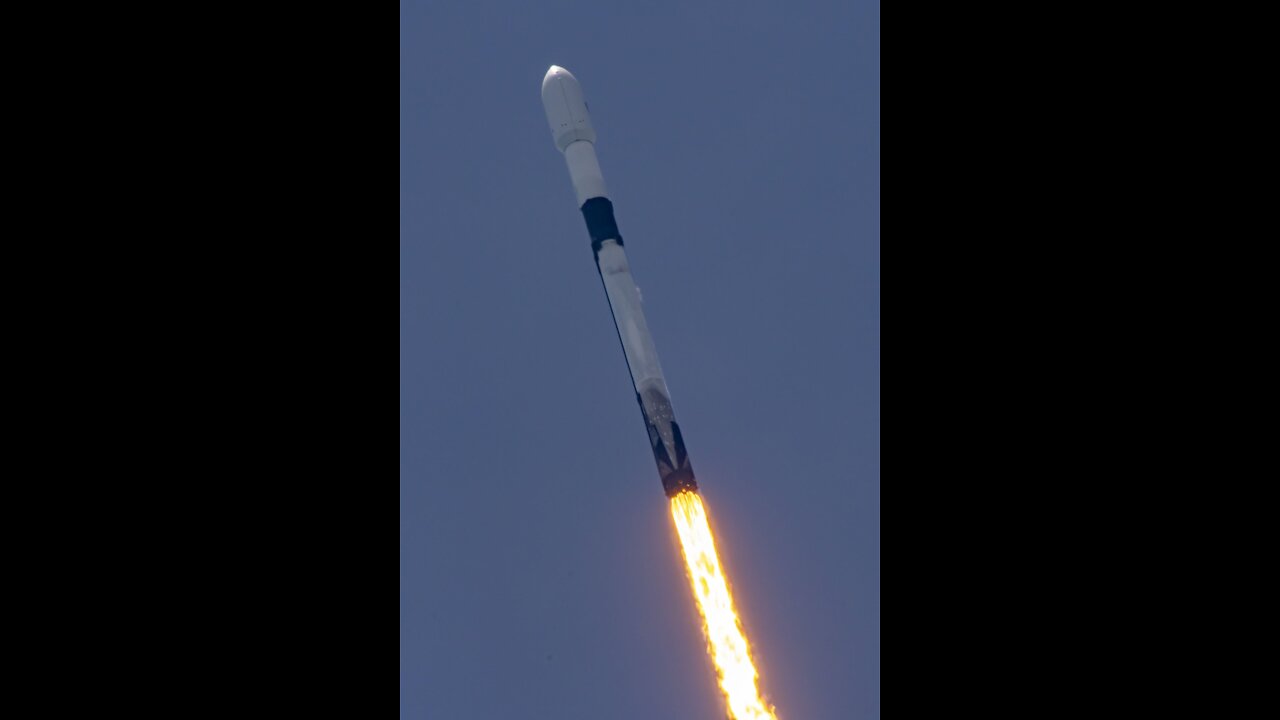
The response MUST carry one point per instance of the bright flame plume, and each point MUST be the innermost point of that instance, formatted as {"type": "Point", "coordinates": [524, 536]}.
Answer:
{"type": "Point", "coordinates": [726, 642]}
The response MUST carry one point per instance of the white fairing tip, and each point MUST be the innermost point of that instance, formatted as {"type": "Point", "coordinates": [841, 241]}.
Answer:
{"type": "Point", "coordinates": [552, 74]}
{"type": "Point", "coordinates": [566, 108]}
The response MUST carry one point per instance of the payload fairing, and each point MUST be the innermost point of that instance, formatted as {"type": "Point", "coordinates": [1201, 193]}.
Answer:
{"type": "Point", "coordinates": [575, 137]}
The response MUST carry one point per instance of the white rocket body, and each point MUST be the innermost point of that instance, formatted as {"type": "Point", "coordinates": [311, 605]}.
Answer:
{"type": "Point", "coordinates": [575, 136]}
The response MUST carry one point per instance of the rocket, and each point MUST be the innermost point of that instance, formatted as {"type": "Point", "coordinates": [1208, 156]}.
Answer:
{"type": "Point", "coordinates": [575, 137]}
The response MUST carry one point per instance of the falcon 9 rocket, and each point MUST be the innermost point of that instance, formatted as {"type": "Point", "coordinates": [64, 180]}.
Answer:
{"type": "Point", "coordinates": [575, 137]}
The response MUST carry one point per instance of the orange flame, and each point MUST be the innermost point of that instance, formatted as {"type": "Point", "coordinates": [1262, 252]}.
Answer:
{"type": "Point", "coordinates": [726, 643]}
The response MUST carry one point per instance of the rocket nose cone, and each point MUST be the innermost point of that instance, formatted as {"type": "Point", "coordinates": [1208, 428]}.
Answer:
{"type": "Point", "coordinates": [566, 108]}
{"type": "Point", "coordinates": [557, 73]}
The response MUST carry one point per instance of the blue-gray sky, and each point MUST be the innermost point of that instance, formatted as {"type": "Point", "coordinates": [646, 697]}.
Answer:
{"type": "Point", "coordinates": [539, 572]}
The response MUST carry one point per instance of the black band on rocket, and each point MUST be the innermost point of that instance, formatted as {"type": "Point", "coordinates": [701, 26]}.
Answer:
{"type": "Point", "coordinates": [598, 212]}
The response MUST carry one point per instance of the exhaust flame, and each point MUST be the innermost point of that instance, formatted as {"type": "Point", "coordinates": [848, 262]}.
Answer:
{"type": "Point", "coordinates": [726, 642]}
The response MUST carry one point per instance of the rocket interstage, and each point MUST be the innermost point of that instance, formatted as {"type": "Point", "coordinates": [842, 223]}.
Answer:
{"type": "Point", "coordinates": [575, 137]}
{"type": "Point", "coordinates": [726, 641]}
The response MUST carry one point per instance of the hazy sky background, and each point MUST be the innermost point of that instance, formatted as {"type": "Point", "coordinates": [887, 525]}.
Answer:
{"type": "Point", "coordinates": [540, 576]}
